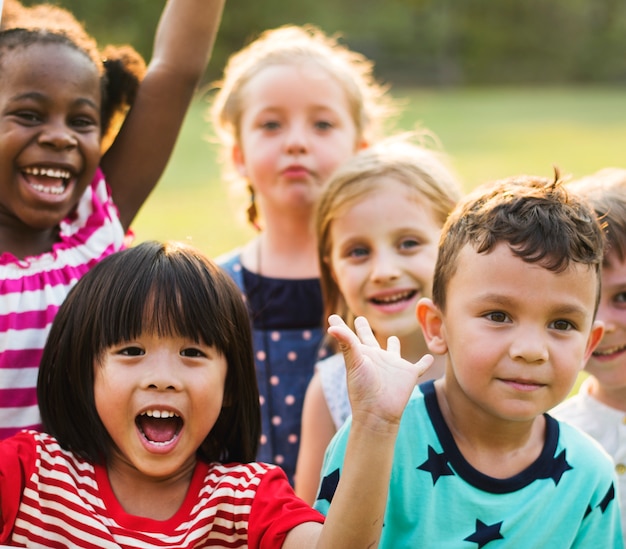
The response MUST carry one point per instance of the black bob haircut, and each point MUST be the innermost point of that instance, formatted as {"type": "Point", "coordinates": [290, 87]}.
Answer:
{"type": "Point", "coordinates": [164, 289]}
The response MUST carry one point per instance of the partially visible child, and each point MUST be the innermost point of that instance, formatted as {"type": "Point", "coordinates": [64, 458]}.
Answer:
{"type": "Point", "coordinates": [378, 223]}
{"type": "Point", "coordinates": [599, 408]}
{"type": "Point", "coordinates": [152, 442]}
{"type": "Point", "coordinates": [292, 106]}
{"type": "Point", "coordinates": [60, 104]}
{"type": "Point", "coordinates": [478, 461]}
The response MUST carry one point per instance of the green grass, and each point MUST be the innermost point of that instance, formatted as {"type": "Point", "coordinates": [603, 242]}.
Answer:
{"type": "Point", "coordinates": [489, 133]}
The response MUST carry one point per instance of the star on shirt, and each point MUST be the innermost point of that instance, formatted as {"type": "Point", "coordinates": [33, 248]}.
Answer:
{"type": "Point", "coordinates": [329, 486]}
{"type": "Point", "coordinates": [436, 465]}
{"type": "Point", "coordinates": [608, 498]}
{"type": "Point", "coordinates": [559, 467]}
{"type": "Point", "coordinates": [485, 533]}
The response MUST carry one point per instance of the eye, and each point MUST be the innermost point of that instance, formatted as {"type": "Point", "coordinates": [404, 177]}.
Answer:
{"type": "Point", "coordinates": [562, 325]}
{"type": "Point", "coordinates": [620, 298]}
{"type": "Point", "coordinates": [357, 252]}
{"type": "Point", "coordinates": [193, 352]}
{"type": "Point", "coordinates": [131, 350]}
{"type": "Point", "coordinates": [497, 316]}
{"type": "Point", "coordinates": [323, 125]}
{"type": "Point", "coordinates": [29, 118]}
{"type": "Point", "coordinates": [409, 244]}
{"type": "Point", "coordinates": [84, 123]}
{"type": "Point", "coordinates": [270, 125]}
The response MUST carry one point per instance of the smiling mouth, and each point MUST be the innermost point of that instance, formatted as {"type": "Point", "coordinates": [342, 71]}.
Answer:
{"type": "Point", "coordinates": [395, 298]}
{"type": "Point", "coordinates": [52, 181]}
{"type": "Point", "coordinates": [610, 351]}
{"type": "Point", "coordinates": [159, 427]}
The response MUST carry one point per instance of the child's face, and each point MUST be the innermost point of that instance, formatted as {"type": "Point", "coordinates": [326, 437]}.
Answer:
{"type": "Point", "coordinates": [608, 362]}
{"type": "Point", "coordinates": [296, 128]}
{"type": "Point", "coordinates": [49, 133]}
{"type": "Point", "coordinates": [516, 334]}
{"type": "Point", "coordinates": [158, 398]}
{"type": "Point", "coordinates": [383, 254]}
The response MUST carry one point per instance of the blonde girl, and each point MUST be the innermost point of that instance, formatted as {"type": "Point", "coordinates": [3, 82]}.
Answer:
{"type": "Point", "coordinates": [378, 224]}
{"type": "Point", "coordinates": [292, 106]}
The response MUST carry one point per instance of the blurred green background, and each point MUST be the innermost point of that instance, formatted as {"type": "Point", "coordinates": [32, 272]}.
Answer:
{"type": "Point", "coordinates": [509, 87]}
{"type": "Point", "coordinates": [489, 132]}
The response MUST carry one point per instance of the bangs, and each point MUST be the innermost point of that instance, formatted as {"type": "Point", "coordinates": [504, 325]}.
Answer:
{"type": "Point", "coordinates": [165, 298]}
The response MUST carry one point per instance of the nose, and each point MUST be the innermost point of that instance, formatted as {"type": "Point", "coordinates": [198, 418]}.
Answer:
{"type": "Point", "coordinates": [384, 267]}
{"type": "Point", "coordinates": [529, 345]}
{"type": "Point", "coordinates": [161, 373]}
{"type": "Point", "coordinates": [296, 139]}
{"type": "Point", "coordinates": [57, 135]}
{"type": "Point", "coordinates": [605, 314]}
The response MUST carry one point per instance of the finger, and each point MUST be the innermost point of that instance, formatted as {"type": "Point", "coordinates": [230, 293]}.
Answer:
{"type": "Point", "coordinates": [393, 345]}
{"type": "Point", "coordinates": [424, 363]}
{"type": "Point", "coordinates": [341, 332]}
{"type": "Point", "coordinates": [364, 331]}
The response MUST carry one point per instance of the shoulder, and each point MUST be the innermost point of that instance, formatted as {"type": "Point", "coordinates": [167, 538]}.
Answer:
{"type": "Point", "coordinates": [230, 260]}
{"type": "Point", "coordinates": [584, 452]}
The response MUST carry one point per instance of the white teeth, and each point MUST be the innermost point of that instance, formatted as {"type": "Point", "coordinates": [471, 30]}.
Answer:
{"type": "Point", "coordinates": [394, 298]}
{"type": "Point", "coordinates": [48, 172]}
{"type": "Point", "coordinates": [49, 190]}
{"type": "Point", "coordinates": [159, 413]}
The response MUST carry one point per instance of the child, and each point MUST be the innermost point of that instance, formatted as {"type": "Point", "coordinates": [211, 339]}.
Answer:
{"type": "Point", "coordinates": [378, 224]}
{"type": "Point", "coordinates": [58, 215]}
{"type": "Point", "coordinates": [599, 408]}
{"type": "Point", "coordinates": [151, 444]}
{"type": "Point", "coordinates": [292, 106]}
{"type": "Point", "coordinates": [477, 459]}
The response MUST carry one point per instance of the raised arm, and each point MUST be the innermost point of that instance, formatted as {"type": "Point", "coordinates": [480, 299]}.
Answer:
{"type": "Point", "coordinates": [136, 160]}
{"type": "Point", "coordinates": [380, 383]}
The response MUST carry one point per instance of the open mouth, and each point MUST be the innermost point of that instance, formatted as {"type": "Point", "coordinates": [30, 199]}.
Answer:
{"type": "Point", "coordinates": [609, 351]}
{"type": "Point", "coordinates": [52, 181]}
{"type": "Point", "coordinates": [395, 298]}
{"type": "Point", "coordinates": [159, 427]}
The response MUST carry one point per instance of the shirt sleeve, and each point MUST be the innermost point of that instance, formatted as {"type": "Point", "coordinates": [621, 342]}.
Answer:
{"type": "Point", "coordinates": [17, 461]}
{"type": "Point", "coordinates": [275, 511]}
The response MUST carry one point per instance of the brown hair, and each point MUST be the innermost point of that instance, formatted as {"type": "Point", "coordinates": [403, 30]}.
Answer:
{"type": "Point", "coordinates": [539, 220]}
{"type": "Point", "coordinates": [605, 191]}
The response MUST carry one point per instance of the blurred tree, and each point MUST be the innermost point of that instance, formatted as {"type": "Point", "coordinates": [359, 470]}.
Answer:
{"type": "Point", "coordinates": [435, 42]}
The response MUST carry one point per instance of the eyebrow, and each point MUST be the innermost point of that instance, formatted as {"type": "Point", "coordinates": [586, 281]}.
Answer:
{"type": "Point", "coordinates": [560, 309]}
{"type": "Point", "coordinates": [38, 96]}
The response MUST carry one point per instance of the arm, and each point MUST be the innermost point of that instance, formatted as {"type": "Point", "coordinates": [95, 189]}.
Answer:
{"type": "Point", "coordinates": [380, 383]}
{"type": "Point", "coordinates": [137, 158]}
{"type": "Point", "coordinates": [317, 430]}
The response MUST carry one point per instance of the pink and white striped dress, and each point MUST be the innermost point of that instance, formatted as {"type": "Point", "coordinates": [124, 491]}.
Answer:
{"type": "Point", "coordinates": [31, 291]}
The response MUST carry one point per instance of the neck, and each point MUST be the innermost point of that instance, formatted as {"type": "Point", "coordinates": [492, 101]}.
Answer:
{"type": "Point", "coordinates": [25, 241]}
{"type": "Point", "coordinates": [497, 448]}
{"type": "Point", "coordinates": [282, 255]}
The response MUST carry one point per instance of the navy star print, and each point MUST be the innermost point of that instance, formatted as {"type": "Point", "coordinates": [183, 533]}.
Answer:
{"type": "Point", "coordinates": [436, 465]}
{"type": "Point", "coordinates": [485, 533]}
{"type": "Point", "coordinates": [329, 486]}
{"type": "Point", "coordinates": [559, 467]}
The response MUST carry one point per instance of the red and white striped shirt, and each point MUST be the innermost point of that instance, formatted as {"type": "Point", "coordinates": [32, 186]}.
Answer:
{"type": "Point", "coordinates": [31, 291]}
{"type": "Point", "coordinates": [49, 497]}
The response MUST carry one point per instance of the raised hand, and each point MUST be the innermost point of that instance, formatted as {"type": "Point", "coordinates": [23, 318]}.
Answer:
{"type": "Point", "coordinates": [380, 381]}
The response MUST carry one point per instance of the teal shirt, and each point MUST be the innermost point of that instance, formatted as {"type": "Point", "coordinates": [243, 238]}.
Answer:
{"type": "Point", "coordinates": [566, 498]}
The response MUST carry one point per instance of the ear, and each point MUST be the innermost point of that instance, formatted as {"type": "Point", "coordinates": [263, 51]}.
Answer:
{"type": "Point", "coordinates": [597, 331]}
{"type": "Point", "coordinates": [362, 144]}
{"type": "Point", "coordinates": [431, 321]}
{"type": "Point", "coordinates": [239, 160]}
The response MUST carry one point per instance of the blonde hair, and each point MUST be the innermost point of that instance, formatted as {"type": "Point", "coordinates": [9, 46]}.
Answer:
{"type": "Point", "coordinates": [424, 170]}
{"type": "Point", "coordinates": [293, 45]}
{"type": "Point", "coordinates": [370, 107]}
